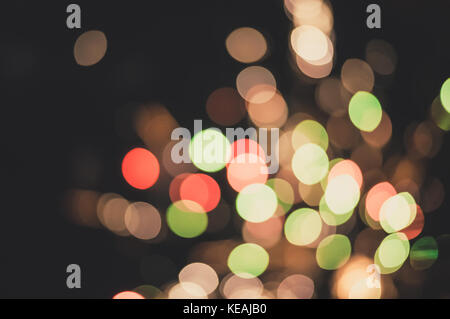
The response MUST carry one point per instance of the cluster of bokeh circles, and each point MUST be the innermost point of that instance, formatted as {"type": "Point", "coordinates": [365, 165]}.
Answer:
{"type": "Point", "coordinates": [337, 203]}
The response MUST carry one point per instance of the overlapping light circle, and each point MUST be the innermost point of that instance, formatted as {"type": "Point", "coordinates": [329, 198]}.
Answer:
{"type": "Point", "coordinates": [398, 212]}
{"type": "Point", "coordinates": [342, 194]}
{"type": "Point", "coordinates": [392, 252]}
{"type": "Point", "coordinates": [365, 111]}
{"type": "Point", "coordinates": [310, 164]}
{"type": "Point", "coordinates": [309, 131]}
{"type": "Point", "coordinates": [186, 219]}
{"type": "Point", "coordinates": [209, 150]}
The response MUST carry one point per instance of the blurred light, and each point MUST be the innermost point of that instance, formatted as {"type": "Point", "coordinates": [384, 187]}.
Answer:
{"type": "Point", "coordinates": [342, 194]}
{"type": "Point", "coordinates": [320, 68]}
{"type": "Point", "coordinates": [140, 168]}
{"type": "Point", "coordinates": [343, 134]}
{"type": "Point", "coordinates": [201, 275]}
{"type": "Point", "coordinates": [111, 212]}
{"type": "Point", "coordinates": [392, 253]}
{"type": "Point", "coordinates": [225, 106]}
{"type": "Point", "coordinates": [248, 260]}
{"type": "Point", "coordinates": [186, 290]}
{"type": "Point", "coordinates": [303, 226]}
{"type": "Point", "coordinates": [381, 135]}
{"type": "Point", "coordinates": [82, 207]}
{"type": "Point", "coordinates": [346, 167]}
{"type": "Point", "coordinates": [445, 95]}
{"type": "Point", "coordinates": [331, 218]}
{"type": "Point", "coordinates": [376, 197]}
{"type": "Point", "coordinates": [433, 195]}
{"type": "Point", "coordinates": [235, 287]}
{"type": "Point", "coordinates": [425, 141]}
{"type": "Point", "coordinates": [172, 168]}
{"type": "Point", "coordinates": [309, 131]}
{"type": "Point", "coordinates": [381, 57]}
{"type": "Point", "coordinates": [185, 221]}
{"type": "Point", "coordinates": [309, 43]}
{"type": "Point", "coordinates": [284, 192]}
{"type": "Point", "coordinates": [128, 295]}
{"type": "Point", "coordinates": [310, 194]}
{"type": "Point", "coordinates": [256, 203]}
{"type": "Point", "coordinates": [174, 187]}
{"type": "Point", "coordinates": [317, 13]}
{"type": "Point", "coordinates": [246, 45]}
{"type": "Point", "coordinates": [154, 124]}
{"type": "Point", "coordinates": [365, 111]}
{"type": "Point", "coordinates": [268, 114]}
{"type": "Point", "coordinates": [201, 189]}
{"type": "Point", "coordinates": [266, 234]}
{"type": "Point", "coordinates": [310, 164]}
{"type": "Point", "coordinates": [440, 115]}
{"type": "Point", "coordinates": [414, 230]}
{"type": "Point", "coordinates": [143, 220]}
{"type": "Point", "coordinates": [332, 97]}
{"type": "Point", "coordinates": [398, 212]}
{"type": "Point", "coordinates": [288, 175]}
{"type": "Point", "coordinates": [352, 280]}
{"type": "Point", "coordinates": [357, 75]}
{"type": "Point", "coordinates": [296, 287]}
{"type": "Point", "coordinates": [424, 253]}
{"type": "Point", "coordinates": [367, 157]}
{"type": "Point", "coordinates": [333, 252]}
{"type": "Point", "coordinates": [247, 145]}
{"type": "Point", "coordinates": [256, 84]}
{"type": "Point", "coordinates": [209, 150]}
{"type": "Point", "coordinates": [90, 48]}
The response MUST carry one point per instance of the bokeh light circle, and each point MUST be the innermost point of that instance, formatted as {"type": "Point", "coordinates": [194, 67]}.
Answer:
{"type": "Point", "coordinates": [185, 221]}
{"type": "Point", "coordinates": [246, 169]}
{"type": "Point", "coordinates": [296, 287]}
{"type": "Point", "coordinates": [90, 47]}
{"type": "Point", "coordinates": [333, 252]}
{"type": "Point", "coordinates": [445, 95]}
{"type": "Point", "coordinates": [248, 260]}
{"type": "Point", "coordinates": [202, 189]}
{"type": "Point", "coordinates": [143, 220]}
{"type": "Point", "coordinates": [256, 203]}
{"type": "Point", "coordinates": [376, 197]}
{"type": "Point", "coordinates": [200, 274]}
{"type": "Point", "coordinates": [342, 194]}
{"type": "Point", "coordinates": [209, 150]}
{"type": "Point", "coordinates": [398, 212]}
{"type": "Point", "coordinates": [246, 45]}
{"type": "Point", "coordinates": [128, 295]}
{"type": "Point", "coordinates": [256, 84]}
{"type": "Point", "coordinates": [310, 164]}
{"type": "Point", "coordinates": [309, 42]}
{"type": "Point", "coordinates": [365, 111]}
{"type": "Point", "coordinates": [424, 253]}
{"type": "Point", "coordinates": [392, 252]}
{"type": "Point", "coordinates": [309, 131]}
{"type": "Point", "coordinates": [140, 168]}
{"type": "Point", "coordinates": [303, 226]}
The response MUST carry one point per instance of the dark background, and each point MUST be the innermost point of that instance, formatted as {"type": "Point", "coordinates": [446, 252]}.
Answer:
{"type": "Point", "coordinates": [58, 118]}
